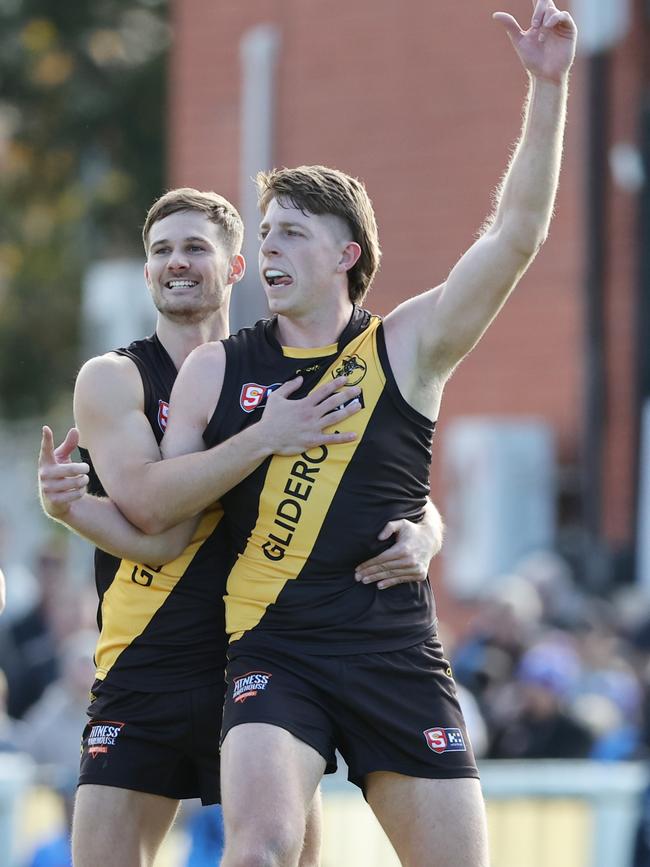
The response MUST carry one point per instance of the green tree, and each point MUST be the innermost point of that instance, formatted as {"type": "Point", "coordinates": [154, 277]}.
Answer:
{"type": "Point", "coordinates": [82, 92]}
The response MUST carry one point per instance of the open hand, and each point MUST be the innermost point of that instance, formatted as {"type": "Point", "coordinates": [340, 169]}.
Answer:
{"type": "Point", "coordinates": [60, 481]}
{"type": "Point", "coordinates": [547, 48]}
{"type": "Point", "coordinates": [294, 426]}
{"type": "Point", "coordinates": [408, 557]}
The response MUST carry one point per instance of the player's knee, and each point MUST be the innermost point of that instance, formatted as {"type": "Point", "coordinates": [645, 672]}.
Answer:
{"type": "Point", "coordinates": [273, 846]}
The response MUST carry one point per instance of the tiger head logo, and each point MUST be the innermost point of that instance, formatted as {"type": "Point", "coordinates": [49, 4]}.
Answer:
{"type": "Point", "coordinates": [353, 367]}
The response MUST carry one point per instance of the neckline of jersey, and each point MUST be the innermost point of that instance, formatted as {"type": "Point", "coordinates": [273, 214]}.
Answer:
{"type": "Point", "coordinates": [358, 321]}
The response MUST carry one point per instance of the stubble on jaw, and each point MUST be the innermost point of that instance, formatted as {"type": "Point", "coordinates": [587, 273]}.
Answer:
{"type": "Point", "coordinates": [188, 312]}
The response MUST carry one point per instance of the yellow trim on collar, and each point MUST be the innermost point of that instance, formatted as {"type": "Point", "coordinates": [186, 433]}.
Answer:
{"type": "Point", "coordinates": [316, 352]}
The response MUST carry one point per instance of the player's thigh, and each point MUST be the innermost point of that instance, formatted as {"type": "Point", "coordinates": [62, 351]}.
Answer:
{"type": "Point", "coordinates": [126, 825]}
{"type": "Point", "coordinates": [311, 847]}
{"type": "Point", "coordinates": [267, 776]}
{"type": "Point", "coordinates": [431, 822]}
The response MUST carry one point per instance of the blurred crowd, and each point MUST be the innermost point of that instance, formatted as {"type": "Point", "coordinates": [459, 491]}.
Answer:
{"type": "Point", "coordinates": [553, 672]}
{"type": "Point", "coordinates": [48, 633]}
{"type": "Point", "coordinates": [544, 670]}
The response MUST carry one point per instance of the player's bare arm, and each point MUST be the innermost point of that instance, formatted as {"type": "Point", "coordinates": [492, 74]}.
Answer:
{"type": "Point", "coordinates": [415, 545]}
{"type": "Point", "coordinates": [428, 335]}
{"type": "Point", "coordinates": [62, 489]}
{"type": "Point", "coordinates": [190, 478]}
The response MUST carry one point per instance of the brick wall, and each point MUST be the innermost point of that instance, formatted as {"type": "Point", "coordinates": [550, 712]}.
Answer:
{"type": "Point", "coordinates": [424, 107]}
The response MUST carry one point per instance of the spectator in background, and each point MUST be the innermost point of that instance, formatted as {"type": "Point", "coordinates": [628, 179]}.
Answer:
{"type": "Point", "coordinates": [552, 580]}
{"type": "Point", "coordinates": [30, 658]}
{"type": "Point", "coordinates": [608, 696]}
{"type": "Point", "coordinates": [50, 734]}
{"type": "Point", "coordinates": [17, 577]}
{"type": "Point", "coordinates": [12, 733]}
{"type": "Point", "coordinates": [505, 624]}
{"type": "Point", "coordinates": [534, 720]}
{"type": "Point", "coordinates": [52, 723]}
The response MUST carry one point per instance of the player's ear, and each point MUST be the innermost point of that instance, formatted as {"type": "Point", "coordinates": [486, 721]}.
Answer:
{"type": "Point", "coordinates": [147, 278]}
{"type": "Point", "coordinates": [349, 256]}
{"type": "Point", "coordinates": [237, 268]}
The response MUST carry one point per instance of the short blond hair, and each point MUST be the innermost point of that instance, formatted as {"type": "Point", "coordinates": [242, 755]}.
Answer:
{"type": "Point", "coordinates": [215, 207]}
{"type": "Point", "coordinates": [321, 190]}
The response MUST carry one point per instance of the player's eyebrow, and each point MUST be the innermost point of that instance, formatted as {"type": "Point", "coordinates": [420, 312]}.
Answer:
{"type": "Point", "coordinates": [284, 224]}
{"type": "Point", "coordinates": [199, 238]}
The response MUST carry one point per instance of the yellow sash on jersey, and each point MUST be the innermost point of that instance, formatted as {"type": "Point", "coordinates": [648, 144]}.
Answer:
{"type": "Point", "coordinates": [296, 497]}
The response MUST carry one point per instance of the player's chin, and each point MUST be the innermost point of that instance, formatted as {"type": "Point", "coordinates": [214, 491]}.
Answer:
{"type": "Point", "coordinates": [185, 311]}
{"type": "Point", "coordinates": [277, 305]}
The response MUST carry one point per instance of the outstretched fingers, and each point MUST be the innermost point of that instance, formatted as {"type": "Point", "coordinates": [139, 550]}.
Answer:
{"type": "Point", "coordinates": [288, 388]}
{"type": "Point", "coordinates": [540, 7]}
{"type": "Point", "coordinates": [318, 395]}
{"type": "Point", "coordinates": [56, 472]}
{"type": "Point", "coordinates": [336, 438]}
{"type": "Point", "coordinates": [46, 454]}
{"type": "Point", "coordinates": [340, 399]}
{"type": "Point", "coordinates": [331, 419]}
{"type": "Point", "coordinates": [512, 28]}
{"type": "Point", "coordinates": [61, 454]}
{"type": "Point", "coordinates": [61, 482]}
{"type": "Point", "coordinates": [69, 444]}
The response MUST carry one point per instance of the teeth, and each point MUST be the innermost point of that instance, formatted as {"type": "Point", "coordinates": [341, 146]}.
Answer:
{"type": "Point", "coordinates": [181, 284]}
{"type": "Point", "coordinates": [271, 272]}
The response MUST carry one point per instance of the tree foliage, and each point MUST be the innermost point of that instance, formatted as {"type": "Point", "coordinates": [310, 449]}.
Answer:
{"type": "Point", "coordinates": [82, 92]}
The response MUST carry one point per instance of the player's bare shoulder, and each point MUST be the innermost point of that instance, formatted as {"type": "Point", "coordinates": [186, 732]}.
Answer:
{"type": "Point", "coordinates": [204, 367]}
{"type": "Point", "coordinates": [107, 383]}
{"type": "Point", "coordinates": [209, 358]}
{"type": "Point", "coordinates": [198, 386]}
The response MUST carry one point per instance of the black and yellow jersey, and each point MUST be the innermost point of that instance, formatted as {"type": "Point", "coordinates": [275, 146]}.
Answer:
{"type": "Point", "coordinates": [300, 525]}
{"type": "Point", "coordinates": [162, 627]}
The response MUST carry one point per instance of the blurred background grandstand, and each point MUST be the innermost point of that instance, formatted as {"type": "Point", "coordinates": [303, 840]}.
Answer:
{"type": "Point", "coordinates": [542, 460]}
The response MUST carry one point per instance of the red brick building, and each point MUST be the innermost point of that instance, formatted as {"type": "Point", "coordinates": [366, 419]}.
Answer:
{"type": "Point", "coordinates": [423, 101]}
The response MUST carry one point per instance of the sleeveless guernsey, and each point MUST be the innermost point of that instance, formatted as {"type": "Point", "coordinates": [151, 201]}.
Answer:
{"type": "Point", "coordinates": [300, 525]}
{"type": "Point", "coordinates": [162, 627]}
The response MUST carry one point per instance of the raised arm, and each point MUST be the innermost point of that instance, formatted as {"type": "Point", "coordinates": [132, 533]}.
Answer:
{"type": "Point", "coordinates": [428, 335]}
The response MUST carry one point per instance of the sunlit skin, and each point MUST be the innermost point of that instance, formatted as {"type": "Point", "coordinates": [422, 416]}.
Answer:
{"type": "Point", "coordinates": [315, 252]}
{"type": "Point", "coordinates": [187, 248]}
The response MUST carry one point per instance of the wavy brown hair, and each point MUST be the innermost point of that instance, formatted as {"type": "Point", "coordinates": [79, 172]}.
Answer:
{"type": "Point", "coordinates": [217, 209]}
{"type": "Point", "coordinates": [321, 190]}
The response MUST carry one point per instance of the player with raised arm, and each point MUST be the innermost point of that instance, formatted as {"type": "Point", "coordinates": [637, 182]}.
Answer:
{"type": "Point", "coordinates": [317, 661]}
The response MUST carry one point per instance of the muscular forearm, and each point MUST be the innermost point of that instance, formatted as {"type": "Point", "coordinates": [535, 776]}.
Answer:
{"type": "Point", "coordinates": [98, 520]}
{"type": "Point", "coordinates": [178, 488]}
{"type": "Point", "coordinates": [187, 481]}
{"type": "Point", "coordinates": [525, 202]}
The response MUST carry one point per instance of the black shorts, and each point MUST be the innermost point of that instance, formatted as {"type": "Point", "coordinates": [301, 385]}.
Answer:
{"type": "Point", "coordinates": [155, 742]}
{"type": "Point", "coordinates": [392, 711]}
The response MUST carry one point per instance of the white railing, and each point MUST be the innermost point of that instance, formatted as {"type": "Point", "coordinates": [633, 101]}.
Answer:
{"type": "Point", "coordinates": [560, 813]}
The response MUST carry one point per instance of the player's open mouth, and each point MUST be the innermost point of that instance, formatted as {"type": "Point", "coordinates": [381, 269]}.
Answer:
{"type": "Point", "coordinates": [180, 284]}
{"type": "Point", "coordinates": [277, 278]}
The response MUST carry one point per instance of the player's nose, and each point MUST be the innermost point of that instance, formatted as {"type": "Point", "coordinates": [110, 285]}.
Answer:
{"type": "Point", "coordinates": [269, 245]}
{"type": "Point", "coordinates": [178, 261]}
